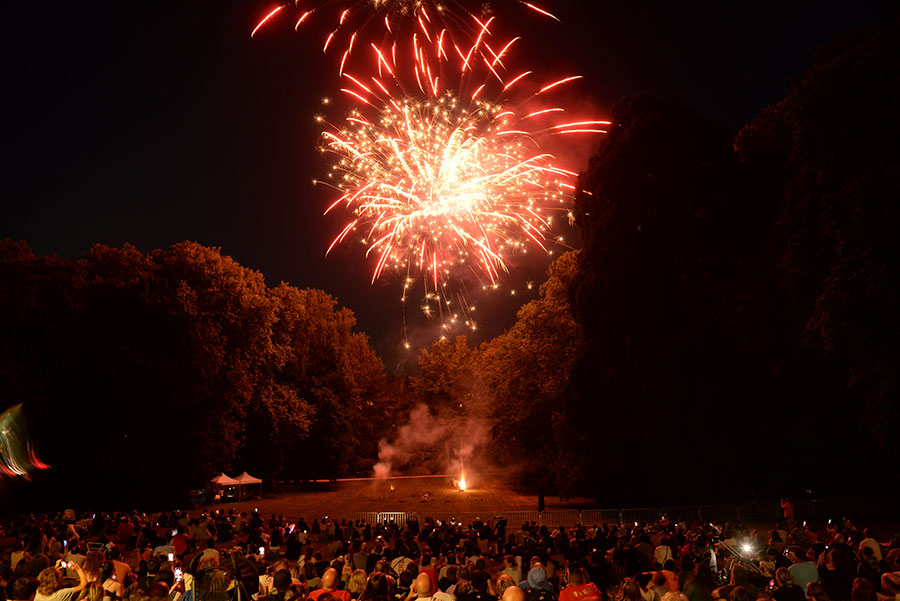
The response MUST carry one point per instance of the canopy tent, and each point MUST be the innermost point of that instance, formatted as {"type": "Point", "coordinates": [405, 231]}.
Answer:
{"type": "Point", "coordinates": [246, 479]}
{"type": "Point", "coordinates": [223, 480]}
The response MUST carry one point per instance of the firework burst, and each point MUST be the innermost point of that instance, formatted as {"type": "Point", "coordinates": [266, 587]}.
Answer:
{"type": "Point", "coordinates": [446, 180]}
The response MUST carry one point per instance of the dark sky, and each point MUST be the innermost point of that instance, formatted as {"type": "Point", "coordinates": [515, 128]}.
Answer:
{"type": "Point", "coordinates": [156, 122]}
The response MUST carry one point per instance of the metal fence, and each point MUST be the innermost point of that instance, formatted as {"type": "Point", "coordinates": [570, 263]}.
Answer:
{"type": "Point", "coordinates": [865, 509]}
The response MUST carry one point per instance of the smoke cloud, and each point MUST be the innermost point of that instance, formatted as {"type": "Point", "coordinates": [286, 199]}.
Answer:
{"type": "Point", "coordinates": [428, 444]}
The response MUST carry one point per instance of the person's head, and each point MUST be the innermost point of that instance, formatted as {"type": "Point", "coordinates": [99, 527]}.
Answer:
{"type": "Point", "coordinates": [674, 596]}
{"type": "Point", "coordinates": [107, 571]}
{"type": "Point", "coordinates": [213, 581]}
{"type": "Point", "coordinates": [93, 564]}
{"type": "Point", "coordinates": [504, 581]}
{"type": "Point", "coordinates": [783, 577]}
{"type": "Point", "coordinates": [576, 576]}
{"type": "Point", "coordinates": [295, 592]}
{"type": "Point", "coordinates": [158, 591]}
{"type": "Point", "coordinates": [738, 575]}
{"type": "Point", "coordinates": [424, 588]}
{"type": "Point", "coordinates": [862, 590]}
{"type": "Point", "coordinates": [513, 593]}
{"type": "Point", "coordinates": [669, 565]}
{"type": "Point", "coordinates": [405, 579]}
{"type": "Point", "coordinates": [23, 588]}
{"type": "Point", "coordinates": [93, 591]}
{"type": "Point", "coordinates": [357, 582]}
{"type": "Point", "coordinates": [738, 593]}
{"type": "Point", "coordinates": [330, 579]}
{"type": "Point", "coordinates": [659, 579]}
{"type": "Point", "coordinates": [480, 580]}
{"type": "Point", "coordinates": [631, 590]}
{"type": "Point", "coordinates": [816, 592]}
{"type": "Point", "coordinates": [48, 581]}
{"type": "Point", "coordinates": [643, 579]}
{"type": "Point", "coordinates": [281, 580]}
{"type": "Point", "coordinates": [309, 571]}
{"type": "Point", "coordinates": [537, 576]}
{"type": "Point", "coordinates": [377, 588]}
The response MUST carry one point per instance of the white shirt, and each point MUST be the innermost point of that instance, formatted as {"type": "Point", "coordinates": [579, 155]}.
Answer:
{"type": "Point", "coordinates": [662, 553]}
{"type": "Point", "coordinates": [872, 544]}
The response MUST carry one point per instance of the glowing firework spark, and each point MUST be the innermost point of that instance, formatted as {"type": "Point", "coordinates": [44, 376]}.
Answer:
{"type": "Point", "coordinates": [444, 181]}
{"type": "Point", "coordinates": [354, 17]}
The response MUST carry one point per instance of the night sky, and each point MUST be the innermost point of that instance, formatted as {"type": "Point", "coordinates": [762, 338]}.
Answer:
{"type": "Point", "coordinates": [155, 122]}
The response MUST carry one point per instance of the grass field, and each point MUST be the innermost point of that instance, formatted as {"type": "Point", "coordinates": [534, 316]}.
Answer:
{"type": "Point", "coordinates": [435, 496]}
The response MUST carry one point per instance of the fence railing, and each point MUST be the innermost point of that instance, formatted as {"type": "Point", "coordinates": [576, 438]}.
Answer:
{"type": "Point", "coordinates": [814, 510]}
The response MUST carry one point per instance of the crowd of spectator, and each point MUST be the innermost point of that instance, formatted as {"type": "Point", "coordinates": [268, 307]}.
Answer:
{"type": "Point", "coordinates": [228, 555]}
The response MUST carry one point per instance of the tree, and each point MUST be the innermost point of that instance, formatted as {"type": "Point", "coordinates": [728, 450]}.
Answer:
{"type": "Point", "coordinates": [829, 158]}
{"type": "Point", "coordinates": [171, 366]}
{"type": "Point", "coordinates": [525, 373]}
{"type": "Point", "coordinates": [661, 295]}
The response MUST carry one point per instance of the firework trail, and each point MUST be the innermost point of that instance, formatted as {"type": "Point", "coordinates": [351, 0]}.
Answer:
{"type": "Point", "coordinates": [442, 173]}
{"type": "Point", "coordinates": [383, 20]}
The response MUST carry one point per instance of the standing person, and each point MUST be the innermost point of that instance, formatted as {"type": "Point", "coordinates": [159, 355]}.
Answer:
{"type": "Point", "coordinates": [787, 509]}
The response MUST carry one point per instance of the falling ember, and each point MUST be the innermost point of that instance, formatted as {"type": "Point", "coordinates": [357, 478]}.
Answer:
{"type": "Point", "coordinates": [353, 18]}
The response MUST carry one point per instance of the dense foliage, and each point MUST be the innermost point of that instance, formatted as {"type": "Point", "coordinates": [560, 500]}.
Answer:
{"type": "Point", "coordinates": [143, 372]}
{"type": "Point", "coordinates": [729, 328]}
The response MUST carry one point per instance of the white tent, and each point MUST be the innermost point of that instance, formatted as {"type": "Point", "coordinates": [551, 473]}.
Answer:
{"type": "Point", "coordinates": [223, 480]}
{"type": "Point", "coordinates": [246, 479]}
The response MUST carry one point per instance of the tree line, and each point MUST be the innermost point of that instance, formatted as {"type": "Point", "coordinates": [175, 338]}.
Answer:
{"type": "Point", "coordinates": [727, 330]}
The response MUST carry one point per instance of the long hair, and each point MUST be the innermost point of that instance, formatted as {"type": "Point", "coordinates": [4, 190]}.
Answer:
{"type": "Point", "coordinates": [48, 581]}
{"type": "Point", "coordinates": [93, 591]}
{"type": "Point", "coordinates": [631, 590]}
{"type": "Point", "coordinates": [377, 588]}
{"type": "Point", "coordinates": [356, 583]}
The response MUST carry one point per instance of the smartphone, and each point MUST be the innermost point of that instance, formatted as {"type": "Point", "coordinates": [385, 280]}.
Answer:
{"type": "Point", "coordinates": [262, 550]}
{"type": "Point", "coordinates": [174, 532]}
{"type": "Point", "coordinates": [178, 574]}
{"type": "Point", "coordinates": [171, 556]}
{"type": "Point", "coordinates": [64, 564]}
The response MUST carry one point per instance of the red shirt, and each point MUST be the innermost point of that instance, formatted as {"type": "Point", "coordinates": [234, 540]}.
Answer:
{"type": "Point", "coordinates": [432, 574]}
{"type": "Point", "coordinates": [339, 595]}
{"type": "Point", "coordinates": [580, 592]}
{"type": "Point", "coordinates": [180, 542]}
